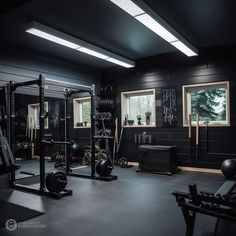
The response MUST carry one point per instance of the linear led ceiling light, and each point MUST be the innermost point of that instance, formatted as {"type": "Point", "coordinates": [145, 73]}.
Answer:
{"type": "Point", "coordinates": [66, 40]}
{"type": "Point", "coordinates": [143, 13]}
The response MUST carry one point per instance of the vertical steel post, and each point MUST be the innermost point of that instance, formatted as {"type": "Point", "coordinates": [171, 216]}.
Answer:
{"type": "Point", "coordinates": [10, 105]}
{"type": "Point", "coordinates": [67, 95]}
{"type": "Point", "coordinates": [92, 130]}
{"type": "Point", "coordinates": [41, 84]}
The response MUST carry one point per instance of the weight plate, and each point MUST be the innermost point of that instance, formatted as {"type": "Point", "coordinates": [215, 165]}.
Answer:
{"type": "Point", "coordinates": [56, 182]}
{"type": "Point", "coordinates": [123, 162]}
{"type": "Point", "coordinates": [104, 168]}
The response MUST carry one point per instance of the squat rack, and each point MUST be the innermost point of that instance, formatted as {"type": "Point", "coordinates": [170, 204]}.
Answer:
{"type": "Point", "coordinates": [68, 93]}
{"type": "Point", "coordinates": [10, 108]}
{"type": "Point", "coordinates": [10, 105]}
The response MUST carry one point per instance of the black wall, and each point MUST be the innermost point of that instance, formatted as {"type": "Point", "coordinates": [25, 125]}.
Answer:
{"type": "Point", "coordinates": [56, 124]}
{"type": "Point", "coordinates": [173, 71]}
{"type": "Point", "coordinates": [56, 115]}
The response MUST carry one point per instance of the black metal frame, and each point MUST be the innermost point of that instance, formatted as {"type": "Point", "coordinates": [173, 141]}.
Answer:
{"type": "Point", "coordinates": [93, 137]}
{"type": "Point", "coordinates": [10, 104]}
{"type": "Point", "coordinates": [219, 205]}
{"type": "Point", "coordinates": [68, 93]}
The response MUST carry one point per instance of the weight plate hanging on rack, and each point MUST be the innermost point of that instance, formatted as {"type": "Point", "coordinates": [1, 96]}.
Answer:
{"type": "Point", "coordinates": [103, 168]}
{"type": "Point", "coordinates": [56, 182]}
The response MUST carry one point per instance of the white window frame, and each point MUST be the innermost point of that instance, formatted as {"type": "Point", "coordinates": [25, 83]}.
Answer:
{"type": "Point", "coordinates": [186, 94]}
{"type": "Point", "coordinates": [125, 108]}
{"type": "Point", "coordinates": [32, 114]}
{"type": "Point", "coordinates": [77, 107]}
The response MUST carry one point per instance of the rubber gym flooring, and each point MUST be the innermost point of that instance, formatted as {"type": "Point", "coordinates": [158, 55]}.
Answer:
{"type": "Point", "coordinates": [32, 166]}
{"type": "Point", "coordinates": [137, 204]}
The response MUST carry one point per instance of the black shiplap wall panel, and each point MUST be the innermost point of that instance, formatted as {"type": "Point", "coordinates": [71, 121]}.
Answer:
{"type": "Point", "coordinates": [10, 72]}
{"type": "Point", "coordinates": [18, 65]}
{"type": "Point", "coordinates": [37, 62]}
{"type": "Point", "coordinates": [149, 78]}
{"type": "Point", "coordinates": [201, 72]}
{"type": "Point", "coordinates": [173, 71]}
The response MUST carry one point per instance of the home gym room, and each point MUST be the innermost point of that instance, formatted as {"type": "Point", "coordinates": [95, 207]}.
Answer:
{"type": "Point", "coordinates": [117, 117]}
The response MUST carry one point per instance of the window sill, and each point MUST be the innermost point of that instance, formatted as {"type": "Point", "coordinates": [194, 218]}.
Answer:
{"type": "Point", "coordinates": [82, 127]}
{"type": "Point", "coordinates": [39, 129]}
{"type": "Point", "coordinates": [139, 126]}
{"type": "Point", "coordinates": [209, 125]}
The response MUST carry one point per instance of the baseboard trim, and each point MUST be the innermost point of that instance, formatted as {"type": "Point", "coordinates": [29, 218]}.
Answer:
{"type": "Point", "coordinates": [192, 169]}
{"type": "Point", "coordinates": [203, 170]}
{"type": "Point", "coordinates": [134, 164]}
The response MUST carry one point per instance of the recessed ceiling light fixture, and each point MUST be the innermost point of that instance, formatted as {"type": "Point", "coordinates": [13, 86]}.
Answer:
{"type": "Point", "coordinates": [143, 13]}
{"type": "Point", "coordinates": [66, 40]}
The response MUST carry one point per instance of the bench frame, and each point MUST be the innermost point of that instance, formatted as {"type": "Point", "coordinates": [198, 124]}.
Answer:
{"type": "Point", "coordinates": [221, 204]}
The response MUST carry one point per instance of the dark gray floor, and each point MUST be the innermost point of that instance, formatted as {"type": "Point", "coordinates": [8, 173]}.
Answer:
{"type": "Point", "coordinates": [32, 166]}
{"type": "Point", "coordinates": [137, 204]}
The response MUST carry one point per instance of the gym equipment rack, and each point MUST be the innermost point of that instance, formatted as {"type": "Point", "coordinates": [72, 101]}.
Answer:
{"type": "Point", "coordinates": [67, 94]}
{"type": "Point", "coordinates": [10, 89]}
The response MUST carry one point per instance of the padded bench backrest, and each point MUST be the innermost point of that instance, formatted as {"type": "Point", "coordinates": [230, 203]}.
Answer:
{"type": "Point", "coordinates": [226, 187]}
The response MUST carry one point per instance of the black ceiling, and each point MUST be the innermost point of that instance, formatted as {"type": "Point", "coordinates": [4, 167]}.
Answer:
{"type": "Point", "coordinates": [203, 23]}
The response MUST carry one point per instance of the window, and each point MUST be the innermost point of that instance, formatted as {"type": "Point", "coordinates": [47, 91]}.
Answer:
{"type": "Point", "coordinates": [209, 100]}
{"type": "Point", "coordinates": [139, 107]}
{"type": "Point", "coordinates": [82, 111]}
{"type": "Point", "coordinates": [33, 115]}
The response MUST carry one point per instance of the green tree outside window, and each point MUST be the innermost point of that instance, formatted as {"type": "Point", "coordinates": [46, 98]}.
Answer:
{"type": "Point", "coordinates": [209, 103]}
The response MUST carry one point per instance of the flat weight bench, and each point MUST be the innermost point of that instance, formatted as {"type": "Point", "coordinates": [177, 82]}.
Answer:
{"type": "Point", "coordinates": [226, 188]}
{"type": "Point", "coordinates": [221, 204]}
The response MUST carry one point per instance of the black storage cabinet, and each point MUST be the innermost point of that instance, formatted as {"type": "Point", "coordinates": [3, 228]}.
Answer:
{"type": "Point", "coordinates": [158, 159]}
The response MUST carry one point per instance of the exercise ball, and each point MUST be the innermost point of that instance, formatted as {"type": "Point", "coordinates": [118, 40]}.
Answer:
{"type": "Point", "coordinates": [77, 150]}
{"type": "Point", "coordinates": [228, 168]}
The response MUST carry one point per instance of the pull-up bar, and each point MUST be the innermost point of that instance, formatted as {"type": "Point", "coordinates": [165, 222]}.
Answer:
{"type": "Point", "coordinates": [14, 86]}
{"type": "Point", "coordinates": [85, 88]}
